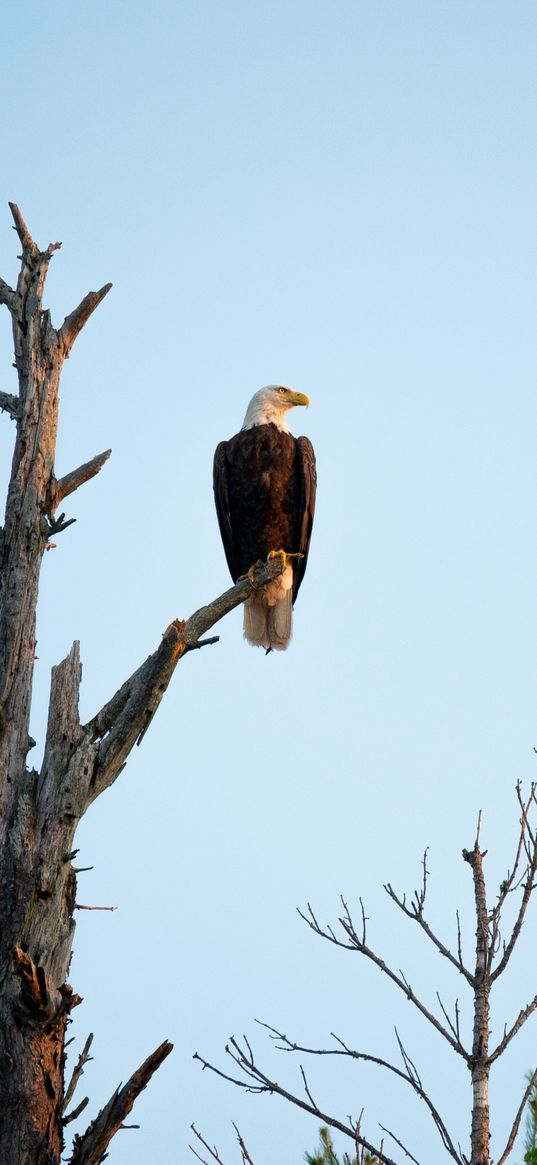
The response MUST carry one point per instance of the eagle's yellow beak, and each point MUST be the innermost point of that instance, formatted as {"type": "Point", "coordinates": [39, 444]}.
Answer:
{"type": "Point", "coordinates": [298, 398]}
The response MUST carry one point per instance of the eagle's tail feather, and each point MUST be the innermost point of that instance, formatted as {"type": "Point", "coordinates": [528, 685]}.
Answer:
{"type": "Point", "coordinates": [255, 621]}
{"type": "Point", "coordinates": [268, 614]}
{"type": "Point", "coordinates": [279, 622]}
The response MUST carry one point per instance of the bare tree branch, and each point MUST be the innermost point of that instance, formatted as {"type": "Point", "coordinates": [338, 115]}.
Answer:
{"type": "Point", "coordinates": [401, 1146]}
{"type": "Point", "coordinates": [410, 1076]}
{"type": "Point", "coordinates": [127, 716]}
{"type": "Point", "coordinates": [247, 1160]}
{"type": "Point", "coordinates": [8, 296]}
{"type": "Point", "coordinates": [26, 305]}
{"type": "Point", "coordinates": [257, 1081]}
{"type": "Point", "coordinates": [213, 1152]}
{"type": "Point", "coordinates": [356, 943]}
{"type": "Point", "coordinates": [74, 322]}
{"type": "Point", "coordinates": [307, 1088]}
{"type": "Point", "coordinates": [88, 1149]}
{"type": "Point", "coordinates": [79, 906]}
{"type": "Point", "coordinates": [253, 1079]}
{"type": "Point", "coordinates": [523, 1015]}
{"type": "Point", "coordinates": [203, 643]}
{"type": "Point", "coordinates": [10, 404]}
{"type": "Point", "coordinates": [415, 912]}
{"type": "Point", "coordinates": [58, 525]}
{"type": "Point", "coordinates": [73, 1116]}
{"type": "Point", "coordinates": [530, 874]}
{"type": "Point", "coordinates": [202, 620]}
{"type": "Point", "coordinates": [454, 1027]}
{"type": "Point", "coordinates": [22, 230]}
{"type": "Point", "coordinates": [516, 1123]}
{"type": "Point", "coordinates": [68, 484]}
{"type": "Point", "coordinates": [400, 1143]}
{"type": "Point", "coordinates": [83, 1059]}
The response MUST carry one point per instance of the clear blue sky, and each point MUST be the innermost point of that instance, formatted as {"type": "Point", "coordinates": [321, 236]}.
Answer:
{"type": "Point", "coordinates": [339, 196]}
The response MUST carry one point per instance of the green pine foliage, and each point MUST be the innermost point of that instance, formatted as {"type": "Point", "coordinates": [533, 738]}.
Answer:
{"type": "Point", "coordinates": [530, 1142]}
{"type": "Point", "coordinates": [326, 1155]}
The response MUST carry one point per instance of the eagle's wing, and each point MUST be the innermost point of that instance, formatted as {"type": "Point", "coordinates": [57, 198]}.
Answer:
{"type": "Point", "coordinates": [221, 498]}
{"type": "Point", "coordinates": [308, 487]}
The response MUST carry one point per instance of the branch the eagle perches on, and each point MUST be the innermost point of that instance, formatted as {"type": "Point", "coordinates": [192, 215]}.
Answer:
{"type": "Point", "coordinates": [39, 811]}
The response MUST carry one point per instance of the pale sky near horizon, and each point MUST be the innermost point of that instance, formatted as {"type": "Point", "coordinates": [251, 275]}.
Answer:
{"type": "Point", "coordinates": [340, 197]}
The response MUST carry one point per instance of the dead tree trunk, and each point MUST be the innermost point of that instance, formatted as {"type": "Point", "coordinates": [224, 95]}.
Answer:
{"type": "Point", "coordinates": [39, 811]}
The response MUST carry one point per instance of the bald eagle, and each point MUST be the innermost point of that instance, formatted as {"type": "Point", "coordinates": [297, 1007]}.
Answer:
{"type": "Point", "coordinates": [264, 487]}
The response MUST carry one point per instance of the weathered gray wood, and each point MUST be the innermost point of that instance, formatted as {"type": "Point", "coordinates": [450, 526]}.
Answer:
{"type": "Point", "coordinates": [38, 814]}
{"type": "Point", "coordinates": [74, 322]}
{"type": "Point", "coordinates": [71, 481]}
{"type": "Point", "coordinates": [125, 719]}
{"type": "Point", "coordinates": [10, 404]}
{"type": "Point", "coordinates": [89, 1149]}
{"type": "Point", "coordinates": [39, 811]}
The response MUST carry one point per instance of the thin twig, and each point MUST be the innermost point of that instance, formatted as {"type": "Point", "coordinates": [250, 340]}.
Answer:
{"type": "Point", "coordinates": [83, 1059]}
{"type": "Point", "coordinates": [400, 1143]}
{"type": "Point", "coordinates": [78, 906]}
{"type": "Point", "coordinates": [415, 912]}
{"type": "Point", "coordinates": [247, 1160]}
{"type": "Point", "coordinates": [307, 1090]}
{"type": "Point", "coordinates": [476, 842]}
{"type": "Point", "coordinates": [523, 1015]}
{"type": "Point", "coordinates": [357, 944]}
{"type": "Point", "coordinates": [72, 1116]}
{"type": "Point", "coordinates": [411, 1076]}
{"type": "Point", "coordinates": [262, 1083]}
{"type": "Point", "coordinates": [58, 525]}
{"type": "Point", "coordinates": [452, 1026]}
{"type": "Point", "coordinates": [213, 1152]}
{"type": "Point", "coordinates": [202, 643]}
{"type": "Point", "coordinates": [410, 1066]}
{"type": "Point", "coordinates": [530, 874]}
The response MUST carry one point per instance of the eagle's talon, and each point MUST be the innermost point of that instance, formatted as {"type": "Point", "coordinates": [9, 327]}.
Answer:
{"type": "Point", "coordinates": [251, 573]}
{"type": "Point", "coordinates": [281, 554]}
{"type": "Point", "coordinates": [284, 556]}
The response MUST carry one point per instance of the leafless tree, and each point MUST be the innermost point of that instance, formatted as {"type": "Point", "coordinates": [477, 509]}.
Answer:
{"type": "Point", "coordinates": [40, 810]}
{"type": "Point", "coordinates": [492, 955]}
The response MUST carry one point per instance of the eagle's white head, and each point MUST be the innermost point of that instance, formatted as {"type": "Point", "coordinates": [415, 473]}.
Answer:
{"type": "Point", "coordinates": [269, 405]}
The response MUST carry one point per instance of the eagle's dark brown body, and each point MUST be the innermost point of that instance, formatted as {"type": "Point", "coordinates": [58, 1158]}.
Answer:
{"type": "Point", "coordinates": [264, 486]}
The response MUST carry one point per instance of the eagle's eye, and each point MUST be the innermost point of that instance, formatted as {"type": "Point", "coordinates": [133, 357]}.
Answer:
{"type": "Point", "coordinates": [281, 391]}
